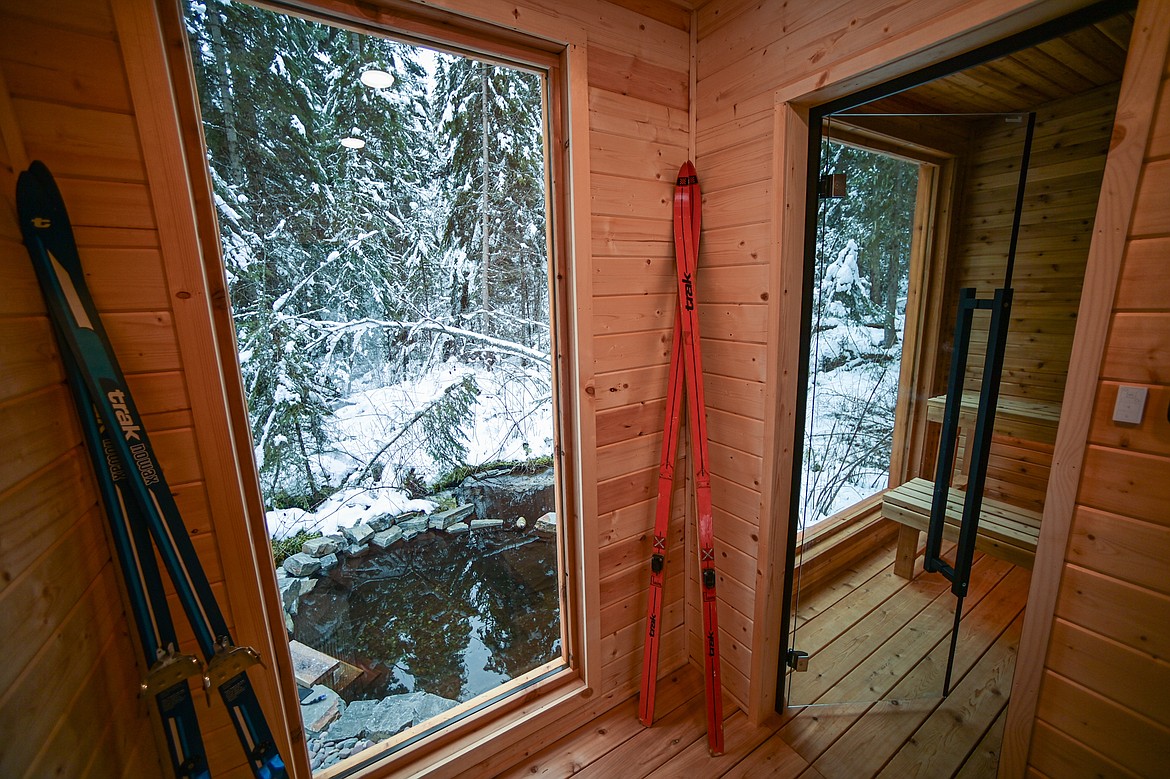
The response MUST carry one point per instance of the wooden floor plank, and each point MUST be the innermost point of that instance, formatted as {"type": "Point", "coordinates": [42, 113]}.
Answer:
{"type": "Point", "coordinates": [830, 664]}
{"type": "Point", "coordinates": [814, 730]}
{"type": "Point", "coordinates": [984, 761]}
{"type": "Point", "coordinates": [941, 745]}
{"type": "Point", "coordinates": [651, 747]}
{"type": "Point", "coordinates": [602, 735]}
{"type": "Point", "coordinates": [772, 758]}
{"type": "Point", "coordinates": [823, 596]}
{"type": "Point", "coordinates": [740, 738]}
{"type": "Point", "coordinates": [891, 649]}
{"type": "Point", "coordinates": [917, 698]}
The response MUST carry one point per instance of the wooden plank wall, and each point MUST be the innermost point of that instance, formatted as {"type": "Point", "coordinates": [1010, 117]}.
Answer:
{"type": "Point", "coordinates": [69, 101]}
{"type": "Point", "coordinates": [639, 135]}
{"type": "Point", "coordinates": [748, 53]}
{"type": "Point", "coordinates": [1102, 708]}
{"type": "Point", "coordinates": [68, 685]}
{"type": "Point", "coordinates": [67, 77]}
{"type": "Point", "coordinates": [1064, 182]}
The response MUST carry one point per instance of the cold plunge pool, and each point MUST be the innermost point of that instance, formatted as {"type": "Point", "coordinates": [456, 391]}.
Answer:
{"type": "Point", "coordinates": [453, 615]}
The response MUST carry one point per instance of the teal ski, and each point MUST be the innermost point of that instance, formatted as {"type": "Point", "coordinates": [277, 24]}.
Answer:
{"type": "Point", "coordinates": [139, 502]}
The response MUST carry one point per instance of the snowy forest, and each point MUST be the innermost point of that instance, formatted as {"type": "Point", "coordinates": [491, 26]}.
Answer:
{"type": "Point", "coordinates": [858, 317]}
{"type": "Point", "coordinates": [382, 216]}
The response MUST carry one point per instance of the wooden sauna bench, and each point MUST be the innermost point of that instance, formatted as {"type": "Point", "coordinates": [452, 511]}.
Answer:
{"type": "Point", "coordinates": [1005, 531]}
{"type": "Point", "coordinates": [1029, 420]}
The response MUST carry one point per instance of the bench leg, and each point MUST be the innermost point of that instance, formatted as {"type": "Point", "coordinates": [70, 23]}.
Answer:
{"type": "Point", "coordinates": [907, 551]}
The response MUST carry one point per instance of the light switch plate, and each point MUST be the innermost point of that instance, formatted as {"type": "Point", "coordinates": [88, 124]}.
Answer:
{"type": "Point", "coordinates": [1130, 405]}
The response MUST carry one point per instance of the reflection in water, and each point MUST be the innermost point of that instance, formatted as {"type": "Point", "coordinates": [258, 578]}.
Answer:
{"type": "Point", "coordinates": [453, 615]}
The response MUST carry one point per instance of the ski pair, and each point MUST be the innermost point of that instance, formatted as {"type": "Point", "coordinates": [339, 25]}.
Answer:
{"type": "Point", "coordinates": [139, 506]}
{"type": "Point", "coordinates": [686, 371]}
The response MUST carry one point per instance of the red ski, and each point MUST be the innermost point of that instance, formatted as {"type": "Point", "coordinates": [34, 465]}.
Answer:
{"type": "Point", "coordinates": [686, 368]}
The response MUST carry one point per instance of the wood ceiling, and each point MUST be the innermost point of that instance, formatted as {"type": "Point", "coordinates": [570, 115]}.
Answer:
{"type": "Point", "coordinates": [1078, 62]}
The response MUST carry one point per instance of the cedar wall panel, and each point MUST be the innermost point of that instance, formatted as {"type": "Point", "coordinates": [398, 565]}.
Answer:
{"type": "Point", "coordinates": [1103, 695]}
{"type": "Point", "coordinates": [69, 681]}
{"type": "Point", "coordinates": [71, 672]}
{"type": "Point", "coordinates": [1064, 181]}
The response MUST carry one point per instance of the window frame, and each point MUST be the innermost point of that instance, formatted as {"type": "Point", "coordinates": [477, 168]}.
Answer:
{"type": "Point", "coordinates": [485, 728]}
{"type": "Point", "coordinates": [921, 333]}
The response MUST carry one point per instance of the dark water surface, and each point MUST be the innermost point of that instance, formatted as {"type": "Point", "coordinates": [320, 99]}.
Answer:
{"type": "Point", "coordinates": [453, 615]}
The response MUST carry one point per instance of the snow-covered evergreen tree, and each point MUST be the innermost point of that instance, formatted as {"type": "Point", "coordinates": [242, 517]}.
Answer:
{"type": "Point", "coordinates": [859, 298]}
{"type": "Point", "coordinates": [494, 184]}
{"type": "Point", "coordinates": [351, 218]}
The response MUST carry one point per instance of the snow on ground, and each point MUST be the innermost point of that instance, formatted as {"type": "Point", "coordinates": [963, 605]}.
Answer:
{"type": "Point", "coordinates": [506, 419]}
{"type": "Point", "coordinates": [838, 403]}
{"type": "Point", "coordinates": [832, 430]}
{"type": "Point", "coordinates": [510, 421]}
{"type": "Point", "coordinates": [345, 509]}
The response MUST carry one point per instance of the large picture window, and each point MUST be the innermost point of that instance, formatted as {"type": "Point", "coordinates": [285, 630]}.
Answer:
{"type": "Point", "coordinates": [385, 225]}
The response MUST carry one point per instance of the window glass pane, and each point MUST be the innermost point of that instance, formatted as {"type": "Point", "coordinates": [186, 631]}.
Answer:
{"type": "Point", "coordinates": [859, 315]}
{"type": "Point", "coordinates": [382, 210]}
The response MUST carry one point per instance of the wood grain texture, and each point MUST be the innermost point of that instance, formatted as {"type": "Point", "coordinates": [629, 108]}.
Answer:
{"type": "Point", "coordinates": [1139, 93]}
{"type": "Point", "coordinates": [1103, 726]}
{"type": "Point", "coordinates": [1056, 754]}
{"type": "Point", "coordinates": [746, 52]}
{"type": "Point", "coordinates": [1126, 613]}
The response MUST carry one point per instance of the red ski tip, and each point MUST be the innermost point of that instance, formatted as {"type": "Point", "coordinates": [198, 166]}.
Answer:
{"type": "Point", "coordinates": [687, 174]}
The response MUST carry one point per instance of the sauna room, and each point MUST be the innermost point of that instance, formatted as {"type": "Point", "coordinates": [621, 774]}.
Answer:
{"type": "Point", "coordinates": [844, 454]}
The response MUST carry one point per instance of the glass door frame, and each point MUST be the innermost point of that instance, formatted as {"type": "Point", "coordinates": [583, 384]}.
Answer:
{"type": "Point", "coordinates": [815, 117]}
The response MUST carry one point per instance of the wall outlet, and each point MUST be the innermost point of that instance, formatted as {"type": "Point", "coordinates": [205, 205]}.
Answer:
{"type": "Point", "coordinates": [1130, 405]}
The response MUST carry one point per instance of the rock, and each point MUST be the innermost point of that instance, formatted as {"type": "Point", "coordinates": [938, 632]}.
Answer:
{"type": "Point", "coordinates": [302, 564]}
{"type": "Point", "coordinates": [486, 524]}
{"type": "Point", "coordinates": [324, 706]}
{"type": "Point", "coordinates": [430, 706]}
{"type": "Point", "coordinates": [412, 527]}
{"type": "Point", "coordinates": [380, 522]}
{"type": "Point", "coordinates": [321, 614]}
{"type": "Point", "coordinates": [319, 547]}
{"type": "Point", "coordinates": [444, 519]}
{"type": "Point", "coordinates": [521, 523]}
{"type": "Point", "coordinates": [357, 550]}
{"type": "Point", "coordinates": [547, 523]}
{"type": "Point", "coordinates": [291, 591]}
{"type": "Point", "coordinates": [377, 720]}
{"type": "Point", "coordinates": [385, 538]}
{"type": "Point", "coordinates": [352, 722]}
{"type": "Point", "coordinates": [359, 533]}
{"type": "Point", "coordinates": [328, 562]}
{"type": "Point", "coordinates": [501, 493]}
{"type": "Point", "coordinates": [458, 527]}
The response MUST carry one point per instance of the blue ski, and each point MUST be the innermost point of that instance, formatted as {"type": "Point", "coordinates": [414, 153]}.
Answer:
{"type": "Point", "coordinates": [137, 496]}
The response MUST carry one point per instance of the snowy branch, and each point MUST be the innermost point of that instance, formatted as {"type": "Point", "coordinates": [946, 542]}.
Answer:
{"type": "Point", "coordinates": [334, 255]}
{"type": "Point", "coordinates": [331, 329]}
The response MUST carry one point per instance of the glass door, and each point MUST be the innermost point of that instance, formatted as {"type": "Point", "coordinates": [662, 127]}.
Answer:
{"type": "Point", "coordinates": [843, 629]}
{"type": "Point", "coordinates": [863, 628]}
